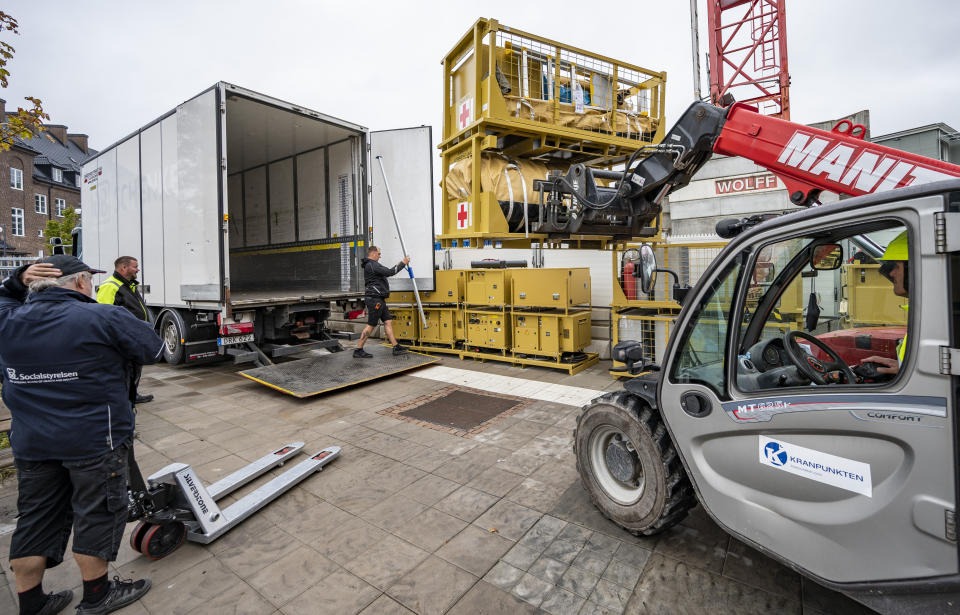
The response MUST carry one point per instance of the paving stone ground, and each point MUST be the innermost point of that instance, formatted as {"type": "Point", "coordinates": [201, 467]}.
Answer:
{"type": "Point", "coordinates": [411, 519]}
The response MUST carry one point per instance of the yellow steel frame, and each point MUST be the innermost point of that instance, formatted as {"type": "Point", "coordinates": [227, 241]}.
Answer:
{"type": "Point", "coordinates": [493, 128]}
{"type": "Point", "coordinates": [664, 283]}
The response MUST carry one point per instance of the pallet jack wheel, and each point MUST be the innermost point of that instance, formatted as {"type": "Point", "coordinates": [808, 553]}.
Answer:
{"type": "Point", "coordinates": [163, 539]}
{"type": "Point", "coordinates": [136, 536]}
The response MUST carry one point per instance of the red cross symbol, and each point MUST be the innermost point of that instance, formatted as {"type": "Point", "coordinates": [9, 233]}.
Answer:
{"type": "Point", "coordinates": [463, 214]}
{"type": "Point", "coordinates": [464, 115]}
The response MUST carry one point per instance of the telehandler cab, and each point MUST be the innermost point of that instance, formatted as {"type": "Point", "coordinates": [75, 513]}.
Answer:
{"type": "Point", "coordinates": [830, 444]}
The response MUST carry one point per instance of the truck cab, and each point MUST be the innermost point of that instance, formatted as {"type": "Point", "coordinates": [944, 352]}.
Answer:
{"type": "Point", "coordinates": [807, 400]}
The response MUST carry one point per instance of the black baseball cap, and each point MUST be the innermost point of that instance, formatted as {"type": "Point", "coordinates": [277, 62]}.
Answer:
{"type": "Point", "coordinates": [68, 265]}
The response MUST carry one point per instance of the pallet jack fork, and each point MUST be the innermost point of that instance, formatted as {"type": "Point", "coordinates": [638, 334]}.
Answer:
{"type": "Point", "coordinates": [174, 504]}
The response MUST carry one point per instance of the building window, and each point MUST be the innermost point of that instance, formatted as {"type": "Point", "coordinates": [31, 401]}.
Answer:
{"type": "Point", "coordinates": [17, 221]}
{"type": "Point", "coordinates": [40, 203]}
{"type": "Point", "coordinates": [58, 206]}
{"type": "Point", "coordinates": [57, 174]}
{"type": "Point", "coordinates": [40, 232]}
{"type": "Point", "coordinates": [16, 179]}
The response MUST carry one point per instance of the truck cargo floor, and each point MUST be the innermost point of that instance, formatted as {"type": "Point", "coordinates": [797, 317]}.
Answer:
{"type": "Point", "coordinates": [316, 375]}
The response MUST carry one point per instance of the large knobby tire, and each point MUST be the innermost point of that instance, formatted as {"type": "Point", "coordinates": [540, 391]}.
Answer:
{"type": "Point", "coordinates": [173, 350]}
{"type": "Point", "coordinates": [629, 466]}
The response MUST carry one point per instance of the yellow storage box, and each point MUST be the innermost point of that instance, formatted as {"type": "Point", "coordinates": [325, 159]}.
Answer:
{"type": "Point", "coordinates": [448, 289]}
{"type": "Point", "coordinates": [488, 286]}
{"type": "Point", "coordinates": [550, 334]}
{"type": "Point", "coordinates": [406, 323]}
{"type": "Point", "coordinates": [551, 288]}
{"type": "Point", "coordinates": [488, 329]}
{"type": "Point", "coordinates": [444, 325]}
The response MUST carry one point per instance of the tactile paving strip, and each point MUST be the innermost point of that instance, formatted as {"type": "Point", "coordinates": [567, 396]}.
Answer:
{"type": "Point", "coordinates": [317, 375]}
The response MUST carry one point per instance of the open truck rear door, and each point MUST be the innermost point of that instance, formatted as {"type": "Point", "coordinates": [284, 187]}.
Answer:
{"type": "Point", "coordinates": [407, 156]}
{"type": "Point", "coordinates": [201, 160]}
{"type": "Point", "coordinates": [854, 483]}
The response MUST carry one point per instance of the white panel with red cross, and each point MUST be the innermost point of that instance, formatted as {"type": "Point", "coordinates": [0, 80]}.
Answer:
{"type": "Point", "coordinates": [464, 112]}
{"type": "Point", "coordinates": [464, 215]}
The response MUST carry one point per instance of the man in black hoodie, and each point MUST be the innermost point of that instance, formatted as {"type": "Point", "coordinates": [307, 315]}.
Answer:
{"type": "Point", "coordinates": [377, 290]}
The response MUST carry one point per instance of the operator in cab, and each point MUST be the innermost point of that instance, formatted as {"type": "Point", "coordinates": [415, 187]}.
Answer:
{"type": "Point", "coordinates": [893, 266]}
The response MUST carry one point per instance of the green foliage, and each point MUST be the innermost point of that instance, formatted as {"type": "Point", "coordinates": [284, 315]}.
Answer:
{"type": "Point", "coordinates": [25, 122]}
{"type": "Point", "coordinates": [62, 227]}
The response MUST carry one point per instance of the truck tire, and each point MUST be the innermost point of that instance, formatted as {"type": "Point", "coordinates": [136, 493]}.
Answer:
{"type": "Point", "coordinates": [172, 334]}
{"type": "Point", "coordinates": [629, 466]}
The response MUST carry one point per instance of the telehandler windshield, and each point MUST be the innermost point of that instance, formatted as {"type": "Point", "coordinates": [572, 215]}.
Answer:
{"type": "Point", "coordinates": [819, 310]}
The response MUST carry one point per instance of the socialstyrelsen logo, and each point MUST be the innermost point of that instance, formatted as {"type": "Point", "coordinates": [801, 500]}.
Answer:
{"type": "Point", "coordinates": [39, 377]}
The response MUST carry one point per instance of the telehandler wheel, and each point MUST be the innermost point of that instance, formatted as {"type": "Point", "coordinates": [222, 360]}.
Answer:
{"type": "Point", "coordinates": [163, 539]}
{"type": "Point", "coordinates": [628, 464]}
{"type": "Point", "coordinates": [136, 536]}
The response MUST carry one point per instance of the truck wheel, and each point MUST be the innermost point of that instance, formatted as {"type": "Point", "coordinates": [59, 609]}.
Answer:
{"type": "Point", "coordinates": [629, 466]}
{"type": "Point", "coordinates": [173, 350]}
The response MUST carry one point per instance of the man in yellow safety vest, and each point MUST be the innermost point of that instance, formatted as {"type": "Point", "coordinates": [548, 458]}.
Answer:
{"type": "Point", "coordinates": [122, 289]}
{"type": "Point", "coordinates": [893, 266]}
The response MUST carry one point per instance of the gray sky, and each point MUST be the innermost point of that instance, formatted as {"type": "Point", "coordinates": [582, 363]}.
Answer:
{"type": "Point", "coordinates": [106, 68]}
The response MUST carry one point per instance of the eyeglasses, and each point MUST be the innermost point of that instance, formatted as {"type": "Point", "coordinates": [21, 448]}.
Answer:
{"type": "Point", "coordinates": [886, 268]}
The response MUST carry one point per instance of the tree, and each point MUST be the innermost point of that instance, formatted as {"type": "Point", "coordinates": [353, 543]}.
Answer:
{"type": "Point", "coordinates": [62, 227]}
{"type": "Point", "coordinates": [25, 122]}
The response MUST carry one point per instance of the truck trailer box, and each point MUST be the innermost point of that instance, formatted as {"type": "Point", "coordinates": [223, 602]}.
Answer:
{"type": "Point", "coordinates": [250, 216]}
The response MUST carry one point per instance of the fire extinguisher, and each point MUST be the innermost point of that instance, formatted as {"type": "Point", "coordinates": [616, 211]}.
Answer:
{"type": "Point", "coordinates": [628, 282]}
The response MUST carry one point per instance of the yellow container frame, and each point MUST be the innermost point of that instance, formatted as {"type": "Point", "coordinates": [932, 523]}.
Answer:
{"type": "Point", "coordinates": [533, 120]}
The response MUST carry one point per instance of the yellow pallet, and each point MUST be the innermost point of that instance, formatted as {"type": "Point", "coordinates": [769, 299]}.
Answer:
{"type": "Point", "coordinates": [571, 368]}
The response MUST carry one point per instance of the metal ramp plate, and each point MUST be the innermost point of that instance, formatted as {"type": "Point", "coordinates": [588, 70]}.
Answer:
{"type": "Point", "coordinates": [317, 375]}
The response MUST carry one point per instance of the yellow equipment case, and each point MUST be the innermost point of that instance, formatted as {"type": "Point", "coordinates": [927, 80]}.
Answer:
{"type": "Point", "coordinates": [551, 288]}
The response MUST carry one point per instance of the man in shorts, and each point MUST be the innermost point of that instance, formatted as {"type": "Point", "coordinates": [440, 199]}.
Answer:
{"type": "Point", "coordinates": [66, 365]}
{"type": "Point", "coordinates": [375, 297]}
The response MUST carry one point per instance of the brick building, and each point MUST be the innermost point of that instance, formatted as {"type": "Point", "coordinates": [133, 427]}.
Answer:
{"type": "Point", "coordinates": [39, 178]}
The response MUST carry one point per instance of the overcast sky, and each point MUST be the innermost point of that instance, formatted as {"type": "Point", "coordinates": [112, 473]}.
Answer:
{"type": "Point", "coordinates": [105, 68]}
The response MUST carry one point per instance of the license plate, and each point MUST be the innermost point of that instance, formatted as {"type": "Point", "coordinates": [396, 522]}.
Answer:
{"type": "Point", "coordinates": [234, 339]}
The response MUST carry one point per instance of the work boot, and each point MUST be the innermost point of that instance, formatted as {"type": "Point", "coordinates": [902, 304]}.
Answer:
{"type": "Point", "coordinates": [56, 602]}
{"type": "Point", "coordinates": [121, 593]}
{"type": "Point", "coordinates": [398, 349]}
{"type": "Point", "coordinates": [142, 399]}
{"type": "Point", "coordinates": [360, 353]}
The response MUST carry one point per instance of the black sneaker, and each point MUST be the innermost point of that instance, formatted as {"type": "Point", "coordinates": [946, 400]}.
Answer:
{"type": "Point", "coordinates": [398, 349]}
{"type": "Point", "coordinates": [360, 353]}
{"type": "Point", "coordinates": [142, 399]}
{"type": "Point", "coordinates": [56, 602]}
{"type": "Point", "coordinates": [121, 593]}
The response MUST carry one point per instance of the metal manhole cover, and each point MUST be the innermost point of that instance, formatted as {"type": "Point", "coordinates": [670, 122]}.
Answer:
{"type": "Point", "coordinates": [458, 410]}
{"type": "Point", "coordinates": [461, 410]}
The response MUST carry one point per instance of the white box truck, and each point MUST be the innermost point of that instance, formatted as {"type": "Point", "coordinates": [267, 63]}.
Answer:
{"type": "Point", "coordinates": [249, 216]}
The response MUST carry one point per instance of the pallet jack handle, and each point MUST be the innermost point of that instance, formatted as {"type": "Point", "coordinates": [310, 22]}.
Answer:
{"type": "Point", "coordinates": [403, 248]}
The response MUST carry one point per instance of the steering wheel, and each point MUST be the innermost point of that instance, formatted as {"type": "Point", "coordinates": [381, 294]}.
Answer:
{"type": "Point", "coordinates": [810, 366]}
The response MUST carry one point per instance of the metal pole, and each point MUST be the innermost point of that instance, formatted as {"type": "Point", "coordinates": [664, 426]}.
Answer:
{"type": "Point", "coordinates": [403, 248]}
{"type": "Point", "coordinates": [694, 27]}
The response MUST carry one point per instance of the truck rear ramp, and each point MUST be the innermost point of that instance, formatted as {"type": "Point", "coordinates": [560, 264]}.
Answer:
{"type": "Point", "coordinates": [318, 375]}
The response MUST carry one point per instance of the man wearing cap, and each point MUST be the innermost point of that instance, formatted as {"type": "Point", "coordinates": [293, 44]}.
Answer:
{"type": "Point", "coordinates": [122, 289]}
{"type": "Point", "coordinates": [65, 367]}
{"type": "Point", "coordinates": [894, 266]}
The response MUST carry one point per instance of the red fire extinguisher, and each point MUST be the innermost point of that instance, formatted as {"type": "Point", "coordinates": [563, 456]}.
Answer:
{"type": "Point", "coordinates": [628, 282]}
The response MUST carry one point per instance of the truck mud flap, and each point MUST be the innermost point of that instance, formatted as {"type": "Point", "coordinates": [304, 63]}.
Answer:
{"type": "Point", "coordinates": [318, 375]}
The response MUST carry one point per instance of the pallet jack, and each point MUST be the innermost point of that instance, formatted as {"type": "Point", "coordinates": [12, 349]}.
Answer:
{"type": "Point", "coordinates": [174, 505]}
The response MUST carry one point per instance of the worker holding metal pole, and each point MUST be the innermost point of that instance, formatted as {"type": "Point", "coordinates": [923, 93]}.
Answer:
{"type": "Point", "coordinates": [375, 298]}
{"type": "Point", "coordinates": [393, 210]}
